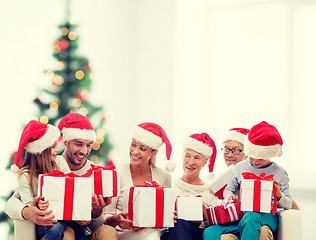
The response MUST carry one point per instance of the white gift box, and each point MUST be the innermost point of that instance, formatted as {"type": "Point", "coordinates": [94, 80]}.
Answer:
{"type": "Point", "coordinates": [145, 205]}
{"type": "Point", "coordinates": [105, 182]}
{"type": "Point", "coordinates": [220, 181]}
{"type": "Point", "coordinates": [69, 197]}
{"type": "Point", "coordinates": [256, 195]}
{"type": "Point", "coordinates": [190, 208]}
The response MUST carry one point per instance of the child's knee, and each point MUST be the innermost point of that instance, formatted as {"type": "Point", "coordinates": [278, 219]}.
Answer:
{"type": "Point", "coordinates": [250, 218]}
{"type": "Point", "coordinates": [212, 232]}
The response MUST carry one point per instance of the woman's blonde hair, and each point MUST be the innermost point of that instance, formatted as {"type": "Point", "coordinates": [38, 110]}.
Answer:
{"type": "Point", "coordinates": [35, 164]}
{"type": "Point", "coordinates": [152, 160]}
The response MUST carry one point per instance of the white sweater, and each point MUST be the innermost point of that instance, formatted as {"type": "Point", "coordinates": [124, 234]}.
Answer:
{"type": "Point", "coordinates": [188, 190]}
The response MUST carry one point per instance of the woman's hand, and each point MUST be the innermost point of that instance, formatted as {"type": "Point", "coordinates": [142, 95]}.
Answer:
{"type": "Point", "coordinates": [277, 187]}
{"type": "Point", "coordinates": [98, 203]}
{"type": "Point", "coordinates": [121, 221]}
{"type": "Point", "coordinates": [43, 204]}
{"type": "Point", "coordinates": [175, 216]}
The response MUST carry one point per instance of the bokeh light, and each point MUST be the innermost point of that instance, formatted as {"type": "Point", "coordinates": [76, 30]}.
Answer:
{"type": "Point", "coordinates": [44, 119]}
{"type": "Point", "coordinates": [79, 75]}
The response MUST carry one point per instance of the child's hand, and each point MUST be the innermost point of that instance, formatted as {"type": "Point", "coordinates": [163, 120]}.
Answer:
{"type": "Point", "coordinates": [234, 198]}
{"type": "Point", "coordinates": [277, 187]}
{"type": "Point", "coordinates": [43, 204]}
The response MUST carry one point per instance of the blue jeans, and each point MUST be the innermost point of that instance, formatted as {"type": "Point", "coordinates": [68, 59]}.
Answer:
{"type": "Point", "coordinates": [183, 230]}
{"type": "Point", "coordinates": [56, 231]}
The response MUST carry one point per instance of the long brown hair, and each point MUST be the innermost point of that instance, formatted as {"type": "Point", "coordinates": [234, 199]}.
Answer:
{"type": "Point", "coordinates": [35, 164]}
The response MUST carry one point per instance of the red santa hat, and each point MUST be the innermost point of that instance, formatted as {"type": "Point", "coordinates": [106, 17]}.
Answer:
{"type": "Point", "coordinates": [264, 141]}
{"type": "Point", "coordinates": [204, 144]}
{"type": "Point", "coordinates": [153, 136]}
{"type": "Point", "coordinates": [35, 138]}
{"type": "Point", "coordinates": [236, 134]}
{"type": "Point", "coordinates": [76, 126]}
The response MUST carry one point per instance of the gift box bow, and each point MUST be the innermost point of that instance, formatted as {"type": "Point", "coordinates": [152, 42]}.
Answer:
{"type": "Point", "coordinates": [231, 207]}
{"type": "Point", "coordinates": [159, 202]}
{"type": "Point", "coordinates": [69, 188]}
{"type": "Point", "coordinates": [97, 171]}
{"type": "Point", "coordinates": [257, 189]}
{"type": "Point", "coordinates": [227, 202]}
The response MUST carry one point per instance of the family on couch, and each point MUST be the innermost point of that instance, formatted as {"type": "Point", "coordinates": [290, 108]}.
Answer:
{"type": "Point", "coordinates": [250, 150]}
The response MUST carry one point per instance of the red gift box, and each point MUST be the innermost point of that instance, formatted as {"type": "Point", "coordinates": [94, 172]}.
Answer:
{"type": "Point", "coordinates": [149, 205]}
{"type": "Point", "coordinates": [105, 180]}
{"type": "Point", "coordinates": [256, 193]}
{"type": "Point", "coordinates": [224, 211]}
{"type": "Point", "coordinates": [69, 195]}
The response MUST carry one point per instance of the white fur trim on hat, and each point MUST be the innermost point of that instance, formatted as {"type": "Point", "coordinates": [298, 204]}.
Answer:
{"type": "Point", "coordinates": [235, 136]}
{"type": "Point", "coordinates": [170, 166]}
{"type": "Point", "coordinates": [146, 137]}
{"type": "Point", "coordinates": [52, 134]}
{"type": "Point", "coordinates": [262, 152]}
{"type": "Point", "coordinates": [77, 133]}
{"type": "Point", "coordinates": [198, 146]}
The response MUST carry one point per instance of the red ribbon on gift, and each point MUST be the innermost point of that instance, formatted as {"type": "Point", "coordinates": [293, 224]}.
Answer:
{"type": "Point", "coordinates": [257, 189]}
{"type": "Point", "coordinates": [69, 189]}
{"type": "Point", "coordinates": [159, 202]}
{"type": "Point", "coordinates": [97, 170]}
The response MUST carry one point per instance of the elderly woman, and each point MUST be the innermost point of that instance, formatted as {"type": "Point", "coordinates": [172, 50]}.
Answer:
{"type": "Point", "coordinates": [146, 139]}
{"type": "Point", "coordinates": [199, 149]}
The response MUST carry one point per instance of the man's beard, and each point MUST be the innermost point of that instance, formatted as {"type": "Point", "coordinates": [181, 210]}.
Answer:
{"type": "Point", "coordinates": [73, 162]}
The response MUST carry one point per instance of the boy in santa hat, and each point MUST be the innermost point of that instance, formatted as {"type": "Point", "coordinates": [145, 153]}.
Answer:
{"type": "Point", "coordinates": [262, 143]}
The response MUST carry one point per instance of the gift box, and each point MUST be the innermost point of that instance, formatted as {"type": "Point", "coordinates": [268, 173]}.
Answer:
{"type": "Point", "coordinates": [256, 193]}
{"type": "Point", "coordinates": [69, 195]}
{"type": "Point", "coordinates": [224, 211]}
{"type": "Point", "coordinates": [190, 208]}
{"type": "Point", "coordinates": [149, 205]}
{"type": "Point", "coordinates": [218, 184]}
{"type": "Point", "coordinates": [104, 181]}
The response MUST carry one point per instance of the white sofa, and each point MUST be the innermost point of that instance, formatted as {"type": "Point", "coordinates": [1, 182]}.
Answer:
{"type": "Point", "coordinates": [290, 227]}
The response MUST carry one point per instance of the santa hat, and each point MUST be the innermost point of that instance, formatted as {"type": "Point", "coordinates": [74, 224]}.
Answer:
{"type": "Point", "coordinates": [204, 144]}
{"type": "Point", "coordinates": [76, 126]}
{"type": "Point", "coordinates": [153, 136]}
{"type": "Point", "coordinates": [35, 138]}
{"type": "Point", "coordinates": [264, 141]}
{"type": "Point", "coordinates": [236, 134]}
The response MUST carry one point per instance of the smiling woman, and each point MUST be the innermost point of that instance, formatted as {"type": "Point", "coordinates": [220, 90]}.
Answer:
{"type": "Point", "coordinates": [199, 149]}
{"type": "Point", "coordinates": [146, 139]}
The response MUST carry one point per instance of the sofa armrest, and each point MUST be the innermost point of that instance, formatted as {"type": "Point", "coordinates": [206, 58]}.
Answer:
{"type": "Point", "coordinates": [24, 230]}
{"type": "Point", "coordinates": [290, 225]}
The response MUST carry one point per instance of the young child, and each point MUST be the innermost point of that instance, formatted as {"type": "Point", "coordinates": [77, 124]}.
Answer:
{"type": "Point", "coordinates": [40, 142]}
{"type": "Point", "coordinates": [262, 143]}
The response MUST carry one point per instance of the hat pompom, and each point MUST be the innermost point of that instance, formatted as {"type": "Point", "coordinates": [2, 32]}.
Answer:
{"type": "Point", "coordinates": [170, 166]}
{"type": "Point", "coordinates": [210, 176]}
{"type": "Point", "coordinates": [14, 169]}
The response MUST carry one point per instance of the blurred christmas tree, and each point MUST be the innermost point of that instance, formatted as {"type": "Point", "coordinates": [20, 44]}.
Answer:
{"type": "Point", "coordinates": [69, 91]}
{"type": "Point", "coordinates": [70, 83]}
